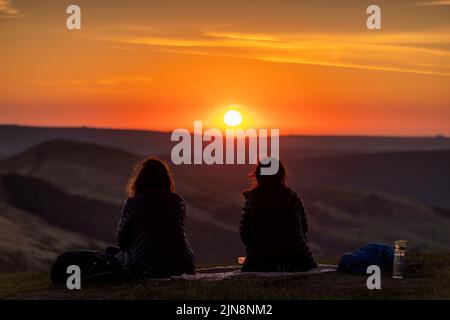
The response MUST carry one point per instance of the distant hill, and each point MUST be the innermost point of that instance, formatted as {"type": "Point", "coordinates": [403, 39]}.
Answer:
{"type": "Point", "coordinates": [420, 175]}
{"type": "Point", "coordinates": [29, 242]}
{"type": "Point", "coordinates": [89, 170]}
{"type": "Point", "coordinates": [348, 199]}
{"type": "Point", "coordinates": [15, 139]}
{"type": "Point", "coordinates": [93, 218]}
{"type": "Point", "coordinates": [342, 220]}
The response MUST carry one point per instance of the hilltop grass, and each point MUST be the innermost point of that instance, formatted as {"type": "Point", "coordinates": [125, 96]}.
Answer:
{"type": "Point", "coordinates": [427, 277]}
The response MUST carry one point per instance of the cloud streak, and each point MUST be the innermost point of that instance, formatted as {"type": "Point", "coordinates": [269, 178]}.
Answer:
{"type": "Point", "coordinates": [434, 3]}
{"type": "Point", "coordinates": [117, 80]}
{"type": "Point", "coordinates": [411, 52]}
{"type": "Point", "coordinates": [123, 80]}
{"type": "Point", "coordinates": [7, 8]}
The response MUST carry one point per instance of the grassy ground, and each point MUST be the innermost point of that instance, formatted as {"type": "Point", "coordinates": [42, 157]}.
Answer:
{"type": "Point", "coordinates": [427, 277]}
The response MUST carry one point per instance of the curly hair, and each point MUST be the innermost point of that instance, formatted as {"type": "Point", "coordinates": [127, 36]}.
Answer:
{"type": "Point", "coordinates": [150, 174]}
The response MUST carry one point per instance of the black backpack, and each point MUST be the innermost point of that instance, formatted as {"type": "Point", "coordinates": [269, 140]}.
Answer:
{"type": "Point", "coordinates": [90, 263]}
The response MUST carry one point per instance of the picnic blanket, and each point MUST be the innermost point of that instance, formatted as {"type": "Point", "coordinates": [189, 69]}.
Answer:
{"type": "Point", "coordinates": [231, 272]}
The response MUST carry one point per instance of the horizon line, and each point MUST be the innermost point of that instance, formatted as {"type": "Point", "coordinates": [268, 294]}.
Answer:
{"type": "Point", "coordinates": [437, 135]}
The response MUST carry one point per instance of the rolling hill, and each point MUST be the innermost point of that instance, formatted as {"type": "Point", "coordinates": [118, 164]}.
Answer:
{"type": "Point", "coordinates": [15, 139]}
{"type": "Point", "coordinates": [30, 243]}
{"type": "Point", "coordinates": [420, 175]}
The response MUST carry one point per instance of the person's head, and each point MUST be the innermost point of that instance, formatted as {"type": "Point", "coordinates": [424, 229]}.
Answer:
{"type": "Point", "coordinates": [271, 181]}
{"type": "Point", "coordinates": [150, 174]}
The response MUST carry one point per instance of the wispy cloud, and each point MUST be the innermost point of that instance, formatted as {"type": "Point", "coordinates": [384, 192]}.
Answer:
{"type": "Point", "coordinates": [412, 52]}
{"type": "Point", "coordinates": [7, 8]}
{"type": "Point", "coordinates": [434, 3]}
{"type": "Point", "coordinates": [240, 36]}
{"type": "Point", "coordinates": [420, 52]}
{"type": "Point", "coordinates": [117, 80]}
{"type": "Point", "coordinates": [56, 83]}
{"type": "Point", "coordinates": [123, 80]}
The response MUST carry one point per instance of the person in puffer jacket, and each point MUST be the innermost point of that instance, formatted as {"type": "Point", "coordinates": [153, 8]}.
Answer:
{"type": "Point", "coordinates": [274, 226]}
{"type": "Point", "coordinates": [151, 233]}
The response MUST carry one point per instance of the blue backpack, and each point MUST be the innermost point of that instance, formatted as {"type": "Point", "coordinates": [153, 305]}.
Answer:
{"type": "Point", "coordinates": [372, 254]}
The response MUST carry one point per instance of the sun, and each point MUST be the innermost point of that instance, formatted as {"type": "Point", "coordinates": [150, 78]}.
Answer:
{"type": "Point", "coordinates": [232, 118]}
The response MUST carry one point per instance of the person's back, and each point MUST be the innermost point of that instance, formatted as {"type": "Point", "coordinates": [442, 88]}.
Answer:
{"type": "Point", "coordinates": [273, 228]}
{"type": "Point", "coordinates": [151, 232]}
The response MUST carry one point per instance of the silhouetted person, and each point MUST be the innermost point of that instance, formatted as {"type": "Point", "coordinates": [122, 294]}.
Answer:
{"type": "Point", "coordinates": [151, 232]}
{"type": "Point", "coordinates": [274, 225]}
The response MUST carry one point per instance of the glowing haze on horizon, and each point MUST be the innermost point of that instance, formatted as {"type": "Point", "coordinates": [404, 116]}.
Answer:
{"type": "Point", "coordinates": [306, 67]}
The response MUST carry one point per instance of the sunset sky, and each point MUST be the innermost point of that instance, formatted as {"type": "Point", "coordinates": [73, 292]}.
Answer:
{"type": "Point", "coordinates": [306, 67]}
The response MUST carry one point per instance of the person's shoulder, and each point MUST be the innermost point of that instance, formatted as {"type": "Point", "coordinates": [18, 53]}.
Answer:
{"type": "Point", "coordinates": [129, 205]}
{"type": "Point", "coordinates": [250, 193]}
{"type": "Point", "coordinates": [176, 197]}
{"type": "Point", "coordinates": [291, 194]}
{"type": "Point", "coordinates": [246, 194]}
{"type": "Point", "coordinates": [130, 201]}
{"type": "Point", "coordinates": [176, 203]}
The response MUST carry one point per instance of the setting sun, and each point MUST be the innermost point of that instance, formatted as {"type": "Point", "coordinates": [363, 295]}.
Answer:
{"type": "Point", "coordinates": [232, 118]}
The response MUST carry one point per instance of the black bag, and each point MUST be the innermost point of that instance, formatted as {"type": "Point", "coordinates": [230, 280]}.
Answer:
{"type": "Point", "coordinates": [90, 263]}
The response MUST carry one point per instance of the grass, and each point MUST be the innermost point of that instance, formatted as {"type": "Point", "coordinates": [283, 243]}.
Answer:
{"type": "Point", "coordinates": [427, 277]}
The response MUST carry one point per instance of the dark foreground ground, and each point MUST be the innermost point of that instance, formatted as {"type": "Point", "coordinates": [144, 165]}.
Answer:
{"type": "Point", "coordinates": [427, 277]}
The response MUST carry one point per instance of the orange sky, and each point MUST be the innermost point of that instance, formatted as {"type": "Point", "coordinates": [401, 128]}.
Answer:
{"type": "Point", "coordinates": [306, 67]}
